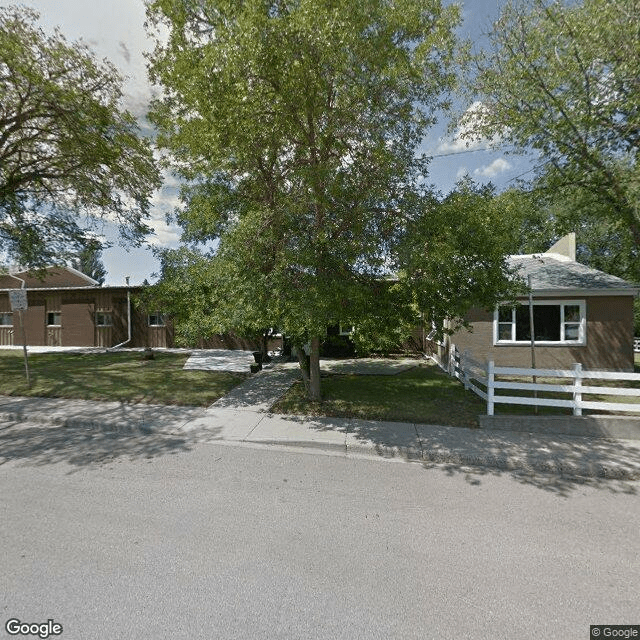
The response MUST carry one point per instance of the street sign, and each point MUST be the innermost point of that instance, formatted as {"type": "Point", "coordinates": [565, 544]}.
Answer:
{"type": "Point", "coordinates": [18, 299]}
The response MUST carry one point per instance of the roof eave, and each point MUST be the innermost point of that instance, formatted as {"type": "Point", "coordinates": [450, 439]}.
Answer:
{"type": "Point", "coordinates": [556, 293]}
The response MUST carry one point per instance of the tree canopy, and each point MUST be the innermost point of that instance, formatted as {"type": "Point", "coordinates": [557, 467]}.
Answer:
{"type": "Point", "coordinates": [88, 261]}
{"type": "Point", "coordinates": [69, 152]}
{"type": "Point", "coordinates": [295, 125]}
{"type": "Point", "coordinates": [562, 78]}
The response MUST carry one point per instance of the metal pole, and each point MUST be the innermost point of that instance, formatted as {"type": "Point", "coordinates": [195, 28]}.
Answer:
{"type": "Point", "coordinates": [533, 340]}
{"type": "Point", "coordinates": [24, 348]}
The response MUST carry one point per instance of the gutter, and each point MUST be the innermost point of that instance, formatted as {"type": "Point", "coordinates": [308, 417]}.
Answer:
{"type": "Point", "coordinates": [576, 293]}
{"type": "Point", "coordinates": [16, 278]}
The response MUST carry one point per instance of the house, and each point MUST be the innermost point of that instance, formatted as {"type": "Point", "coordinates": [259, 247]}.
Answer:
{"type": "Point", "coordinates": [69, 309]}
{"type": "Point", "coordinates": [580, 315]}
{"type": "Point", "coordinates": [66, 308]}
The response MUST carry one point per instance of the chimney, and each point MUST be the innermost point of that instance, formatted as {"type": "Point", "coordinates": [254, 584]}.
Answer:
{"type": "Point", "coordinates": [566, 246]}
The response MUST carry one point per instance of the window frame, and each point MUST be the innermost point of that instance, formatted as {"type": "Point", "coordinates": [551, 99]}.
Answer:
{"type": "Point", "coordinates": [345, 329]}
{"type": "Point", "coordinates": [104, 314]}
{"type": "Point", "coordinates": [158, 315]}
{"type": "Point", "coordinates": [6, 313]}
{"type": "Point", "coordinates": [54, 313]}
{"type": "Point", "coordinates": [582, 324]}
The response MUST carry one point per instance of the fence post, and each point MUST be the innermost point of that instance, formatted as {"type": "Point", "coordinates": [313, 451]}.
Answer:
{"type": "Point", "coordinates": [452, 360]}
{"type": "Point", "coordinates": [577, 389]}
{"type": "Point", "coordinates": [490, 380]}
{"type": "Point", "coordinates": [463, 362]}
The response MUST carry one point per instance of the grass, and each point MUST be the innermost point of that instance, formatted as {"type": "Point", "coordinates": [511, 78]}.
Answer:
{"type": "Point", "coordinates": [423, 394]}
{"type": "Point", "coordinates": [123, 376]}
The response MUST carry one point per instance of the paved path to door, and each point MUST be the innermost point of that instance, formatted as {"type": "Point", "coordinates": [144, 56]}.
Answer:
{"type": "Point", "coordinates": [261, 391]}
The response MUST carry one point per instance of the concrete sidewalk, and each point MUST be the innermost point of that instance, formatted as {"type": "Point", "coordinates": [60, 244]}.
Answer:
{"type": "Point", "coordinates": [23, 429]}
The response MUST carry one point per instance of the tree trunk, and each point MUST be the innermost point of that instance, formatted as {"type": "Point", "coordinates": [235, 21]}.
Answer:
{"type": "Point", "coordinates": [304, 366]}
{"type": "Point", "coordinates": [315, 394]}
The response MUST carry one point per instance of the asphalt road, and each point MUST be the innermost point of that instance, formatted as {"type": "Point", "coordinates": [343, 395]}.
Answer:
{"type": "Point", "coordinates": [171, 540]}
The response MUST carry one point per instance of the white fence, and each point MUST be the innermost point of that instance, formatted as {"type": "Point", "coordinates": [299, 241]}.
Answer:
{"type": "Point", "coordinates": [636, 345]}
{"type": "Point", "coordinates": [474, 375]}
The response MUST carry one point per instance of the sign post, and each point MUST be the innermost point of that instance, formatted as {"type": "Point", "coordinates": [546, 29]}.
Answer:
{"type": "Point", "coordinates": [533, 340]}
{"type": "Point", "coordinates": [18, 299]}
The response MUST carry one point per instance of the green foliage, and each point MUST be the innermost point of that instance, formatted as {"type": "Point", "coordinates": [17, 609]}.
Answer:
{"type": "Point", "coordinates": [68, 151]}
{"type": "Point", "coordinates": [295, 125]}
{"type": "Point", "coordinates": [536, 219]}
{"type": "Point", "coordinates": [88, 261]}
{"type": "Point", "coordinates": [562, 79]}
{"type": "Point", "coordinates": [452, 255]}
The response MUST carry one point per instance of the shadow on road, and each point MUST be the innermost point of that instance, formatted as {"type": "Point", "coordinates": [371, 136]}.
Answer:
{"type": "Point", "coordinates": [554, 463]}
{"type": "Point", "coordinates": [561, 486]}
{"type": "Point", "coordinates": [36, 444]}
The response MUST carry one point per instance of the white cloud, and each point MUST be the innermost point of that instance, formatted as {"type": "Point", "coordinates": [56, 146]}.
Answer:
{"type": "Point", "coordinates": [463, 137]}
{"type": "Point", "coordinates": [164, 234]}
{"type": "Point", "coordinates": [462, 172]}
{"type": "Point", "coordinates": [499, 165]}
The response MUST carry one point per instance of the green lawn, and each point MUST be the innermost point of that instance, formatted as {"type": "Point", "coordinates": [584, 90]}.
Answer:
{"type": "Point", "coordinates": [123, 376]}
{"type": "Point", "coordinates": [423, 394]}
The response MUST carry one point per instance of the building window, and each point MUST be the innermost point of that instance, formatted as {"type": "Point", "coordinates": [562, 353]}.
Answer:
{"type": "Point", "coordinates": [104, 319]}
{"type": "Point", "coordinates": [561, 322]}
{"type": "Point", "coordinates": [6, 319]}
{"type": "Point", "coordinates": [54, 319]}
{"type": "Point", "coordinates": [156, 319]}
{"type": "Point", "coordinates": [345, 329]}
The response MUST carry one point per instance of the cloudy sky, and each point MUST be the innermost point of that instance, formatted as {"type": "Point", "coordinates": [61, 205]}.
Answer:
{"type": "Point", "coordinates": [115, 29]}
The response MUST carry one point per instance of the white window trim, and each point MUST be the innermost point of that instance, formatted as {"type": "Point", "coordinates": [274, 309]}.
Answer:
{"type": "Point", "coordinates": [345, 329]}
{"type": "Point", "coordinates": [582, 329]}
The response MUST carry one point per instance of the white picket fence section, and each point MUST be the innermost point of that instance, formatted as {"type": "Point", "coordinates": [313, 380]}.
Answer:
{"type": "Point", "coordinates": [472, 373]}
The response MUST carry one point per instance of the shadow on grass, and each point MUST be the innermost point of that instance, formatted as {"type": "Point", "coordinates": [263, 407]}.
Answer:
{"type": "Point", "coordinates": [38, 445]}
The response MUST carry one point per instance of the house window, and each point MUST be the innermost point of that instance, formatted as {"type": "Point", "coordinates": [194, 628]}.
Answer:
{"type": "Point", "coordinates": [345, 329]}
{"type": "Point", "coordinates": [156, 319]}
{"type": "Point", "coordinates": [561, 322]}
{"type": "Point", "coordinates": [104, 319]}
{"type": "Point", "coordinates": [54, 319]}
{"type": "Point", "coordinates": [6, 319]}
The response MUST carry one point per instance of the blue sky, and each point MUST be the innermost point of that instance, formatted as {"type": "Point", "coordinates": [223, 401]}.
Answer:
{"type": "Point", "coordinates": [115, 29]}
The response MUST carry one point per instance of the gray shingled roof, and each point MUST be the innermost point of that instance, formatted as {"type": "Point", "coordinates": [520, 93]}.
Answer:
{"type": "Point", "coordinates": [550, 272]}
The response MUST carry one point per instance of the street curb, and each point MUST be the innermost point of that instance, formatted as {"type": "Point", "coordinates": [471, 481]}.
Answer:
{"type": "Point", "coordinates": [552, 466]}
{"type": "Point", "coordinates": [82, 423]}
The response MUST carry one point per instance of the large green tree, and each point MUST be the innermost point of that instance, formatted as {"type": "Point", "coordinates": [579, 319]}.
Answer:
{"type": "Point", "coordinates": [69, 152]}
{"type": "Point", "coordinates": [294, 124]}
{"type": "Point", "coordinates": [88, 261]}
{"type": "Point", "coordinates": [563, 79]}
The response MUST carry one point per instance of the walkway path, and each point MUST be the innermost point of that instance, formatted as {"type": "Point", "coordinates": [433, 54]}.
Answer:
{"type": "Point", "coordinates": [31, 427]}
